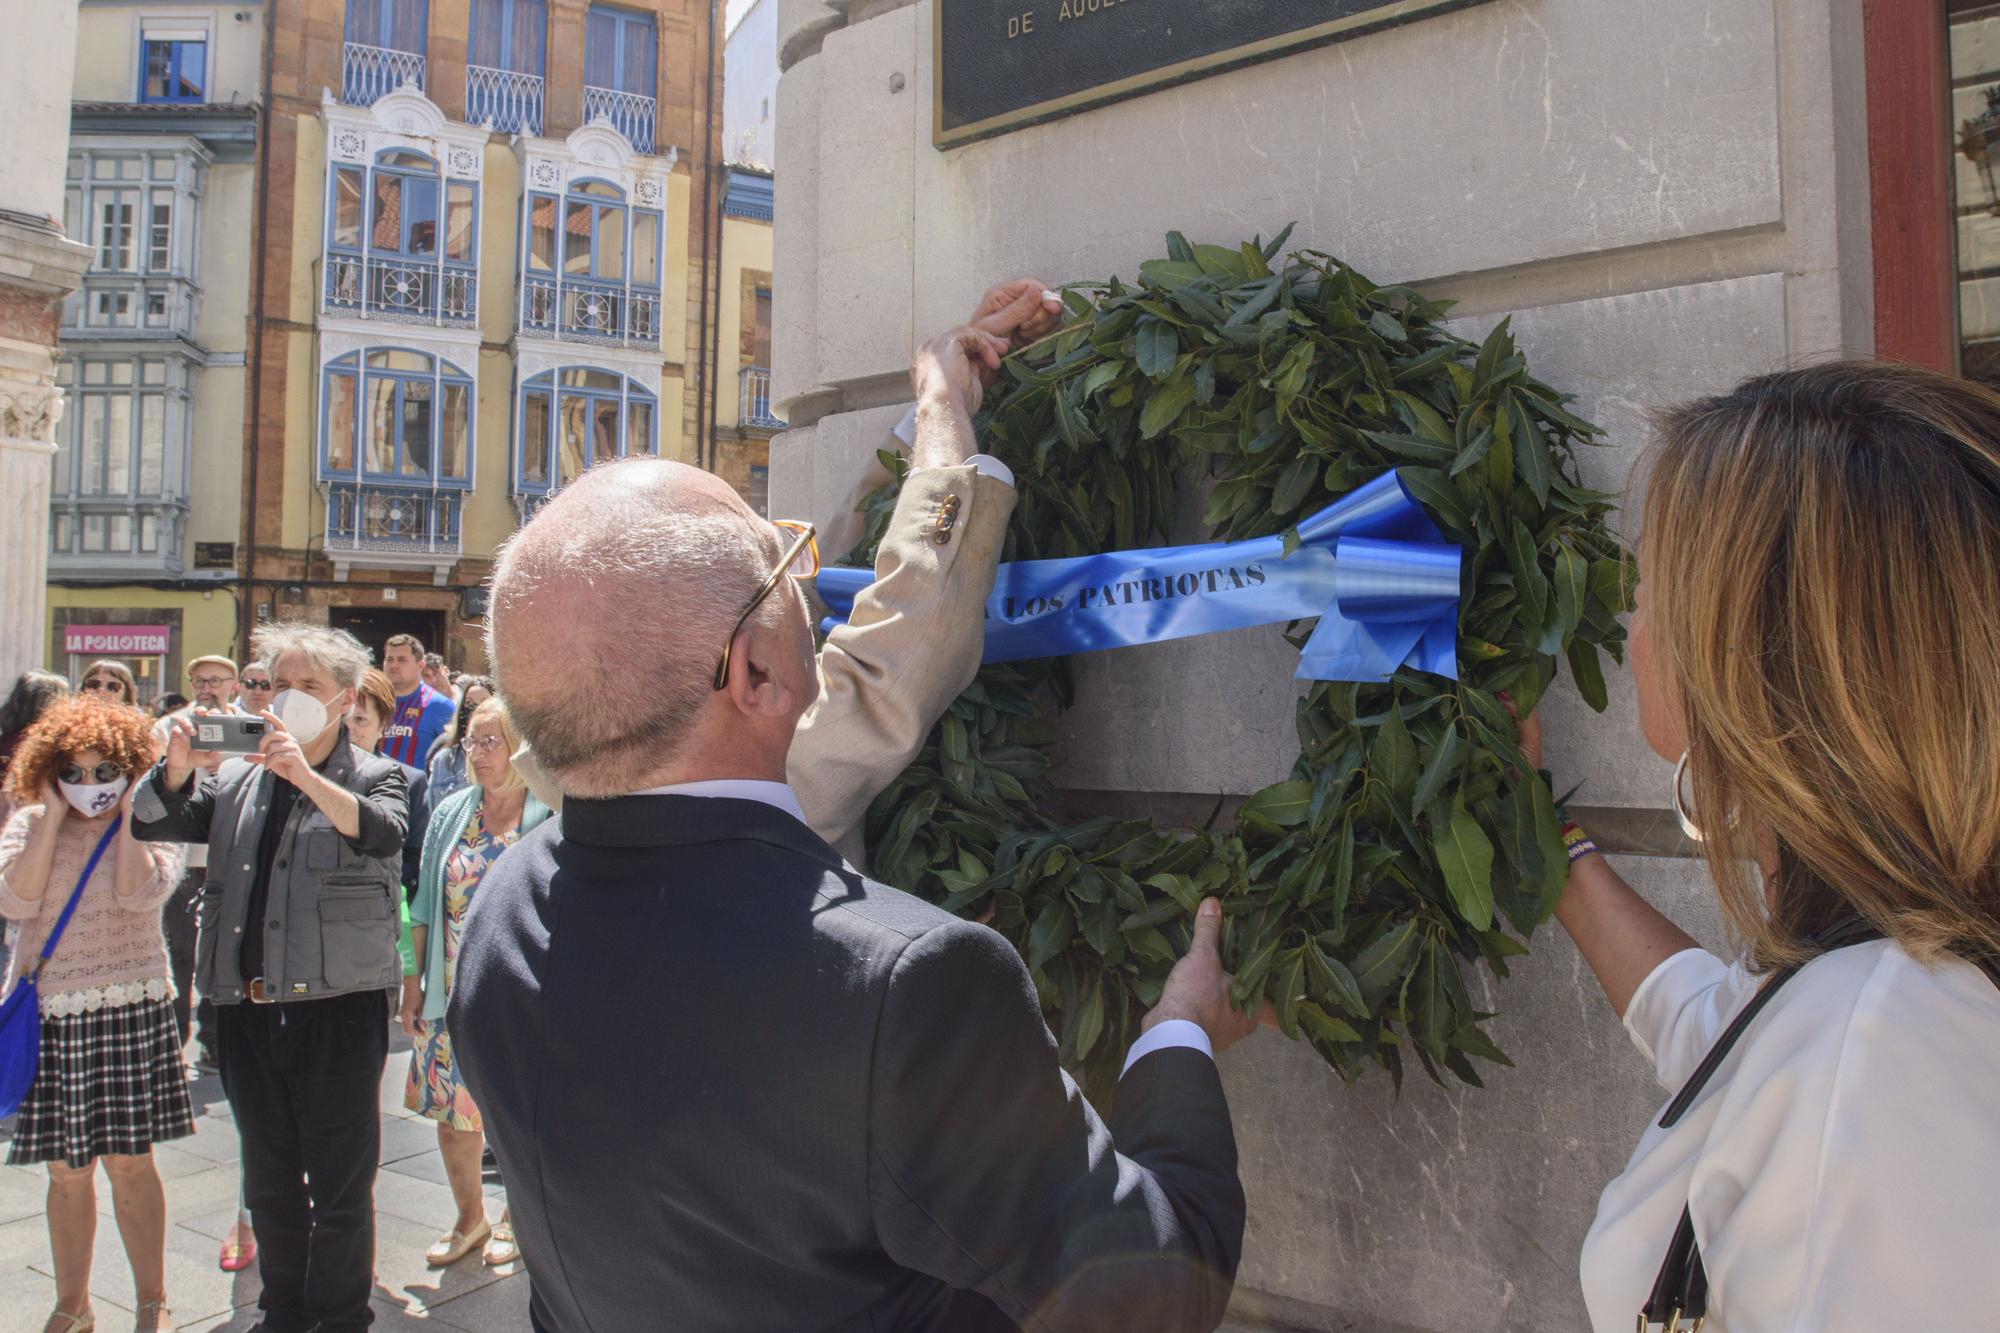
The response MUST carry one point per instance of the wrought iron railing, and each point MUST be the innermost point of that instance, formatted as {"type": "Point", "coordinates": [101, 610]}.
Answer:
{"type": "Point", "coordinates": [580, 308]}
{"type": "Point", "coordinates": [369, 72]}
{"type": "Point", "coordinates": [400, 287]}
{"type": "Point", "coordinates": [511, 102]}
{"type": "Point", "coordinates": [402, 519]}
{"type": "Point", "coordinates": [753, 409]}
{"type": "Point", "coordinates": [631, 114]}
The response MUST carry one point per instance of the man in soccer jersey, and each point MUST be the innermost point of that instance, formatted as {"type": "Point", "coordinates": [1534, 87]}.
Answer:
{"type": "Point", "coordinates": [422, 713]}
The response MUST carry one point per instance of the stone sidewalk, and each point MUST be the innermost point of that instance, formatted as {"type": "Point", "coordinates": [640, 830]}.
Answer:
{"type": "Point", "coordinates": [412, 1206]}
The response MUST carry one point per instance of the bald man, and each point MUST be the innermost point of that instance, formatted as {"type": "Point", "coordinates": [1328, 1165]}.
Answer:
{"type": "Point", "coordinates": [914, 640]}
{"type": "Point", "coordinates": [733, 1084]}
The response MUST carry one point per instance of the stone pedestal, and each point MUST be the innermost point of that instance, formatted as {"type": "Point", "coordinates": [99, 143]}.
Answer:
{"type": "Point", "coordinates": [37, 269]}
{"type": "Point", "coordinates": [1666, 200]}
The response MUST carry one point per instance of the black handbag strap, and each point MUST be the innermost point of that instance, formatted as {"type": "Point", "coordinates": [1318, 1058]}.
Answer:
{"type": "Point", "coordinates": [1680, 1292]}
{"type": "Point", "coordinates": [75, 897]}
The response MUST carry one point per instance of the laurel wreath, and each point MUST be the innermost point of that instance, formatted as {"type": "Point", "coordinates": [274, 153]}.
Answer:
{"type": "Point", "coordinates": [1408, 839]}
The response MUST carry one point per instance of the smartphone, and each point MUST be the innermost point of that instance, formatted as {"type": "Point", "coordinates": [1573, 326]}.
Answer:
{"type": "Point", "coordinates": [229, 733]}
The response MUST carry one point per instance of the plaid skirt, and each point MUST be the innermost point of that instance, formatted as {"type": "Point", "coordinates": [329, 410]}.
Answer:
{"type": "Point", "coordinates": [108, 1081]}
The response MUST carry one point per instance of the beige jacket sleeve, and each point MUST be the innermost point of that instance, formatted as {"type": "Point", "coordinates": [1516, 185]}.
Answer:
{"type": "Point", "coordinates": [910, 647]}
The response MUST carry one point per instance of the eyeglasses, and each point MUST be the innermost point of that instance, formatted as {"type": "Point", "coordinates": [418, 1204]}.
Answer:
{"type": "Point", "coordinates": [480, 744]}
{"type": "Point", "coordinates": [250, 684]}
{"type": "Point", "coordinates": [211, 682]}
{"type": "Point", "coordinates": [107, 685]}
{"type": "Point", "coordinates": [803, 552]}
{"type": "Point", "coordinates": [107, 770]}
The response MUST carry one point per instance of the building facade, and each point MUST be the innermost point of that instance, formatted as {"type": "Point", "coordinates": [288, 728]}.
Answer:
{"type": "Point", "coordinates": [145, 494]}
{"type": "Point", "coordinates": [744, 418]}
{"type": "Point", "coordinates": [1664, 199]}
{"type": "Point", "coordinates": [488, 255]}
{"type": "Point", "coordinates": [750, 85]}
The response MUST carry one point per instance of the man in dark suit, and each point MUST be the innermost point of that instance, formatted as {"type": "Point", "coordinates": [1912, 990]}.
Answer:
{"type": "Point", "coordinates": [732, 1083]}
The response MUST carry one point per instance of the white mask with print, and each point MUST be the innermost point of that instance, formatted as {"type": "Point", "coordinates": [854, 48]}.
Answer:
{"type": "Point", "coordinates": [91, 799]}
{"type": "Point", "coordinates": [304, 716]}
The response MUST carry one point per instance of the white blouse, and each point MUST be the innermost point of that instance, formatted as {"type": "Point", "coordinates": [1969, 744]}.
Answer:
{"type": "Point", "coordinates": [1842, 1165]}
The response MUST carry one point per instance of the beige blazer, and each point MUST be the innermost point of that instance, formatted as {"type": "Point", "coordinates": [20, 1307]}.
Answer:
{"type": "Point", "coordinates": [910, 647]}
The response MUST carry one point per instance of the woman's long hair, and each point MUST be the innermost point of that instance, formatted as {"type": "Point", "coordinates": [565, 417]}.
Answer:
{"type": "Point", "coordinates": [33, 691]}
{"type": "Point", "coordinates": [1822, 567]}
{"type": "Point", "coordinates": [461, 719]}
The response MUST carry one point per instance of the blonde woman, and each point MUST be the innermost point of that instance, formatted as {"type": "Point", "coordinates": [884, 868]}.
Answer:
{"type": "Point", "coordinates": [1818, 641]}
{"type": "Point", "coordinates": [467, 833]}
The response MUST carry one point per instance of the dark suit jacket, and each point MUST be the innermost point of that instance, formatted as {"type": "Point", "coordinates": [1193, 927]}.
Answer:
{"type": "Point", "coordinates": [733, 1085]}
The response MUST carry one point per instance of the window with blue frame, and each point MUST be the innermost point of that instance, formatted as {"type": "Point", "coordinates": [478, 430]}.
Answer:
{"type": "Point", "coordinates": [396, 416]}
{"type": "Point", "coordinates": [509, 35]}
{"type": "Point", "coordinates": [601, 237]}
{"type": "Point", "coordinates": [397, 25]}
{"type": "Point", "coordinates": [174, 67]}
{"type": "Point", "coordinates": [573, 418]}
{"type": "Point", "coordinates": [620, 47]}
{"type": "Point", "coordinates": [406, 221]}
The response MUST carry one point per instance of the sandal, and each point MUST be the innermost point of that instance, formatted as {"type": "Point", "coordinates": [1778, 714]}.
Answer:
{"type": "Point", "coordinates": [153, 1316]}
{"type": "Point", "coordinates": [456, 1246]}
{"type": "Point", "coordinates": [239, 1249]}
{"type": "Point", "coordinates": [502, 1249]}
{"type": "Point", "coordinates": [78, 1323]}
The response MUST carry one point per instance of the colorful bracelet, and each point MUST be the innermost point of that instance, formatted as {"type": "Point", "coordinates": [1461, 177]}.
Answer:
{"type": "Point", "coordinates": [1576, 841]}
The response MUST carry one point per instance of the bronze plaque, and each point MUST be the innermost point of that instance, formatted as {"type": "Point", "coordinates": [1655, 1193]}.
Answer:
{"type": "Point", "coordinates": [1001, 64]}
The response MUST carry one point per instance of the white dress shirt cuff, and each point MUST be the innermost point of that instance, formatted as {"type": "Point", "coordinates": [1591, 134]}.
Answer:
{"type": "Point", "coordinates": [1173, 1032]}
{"type": "Point", "coordinates": [984, 464]}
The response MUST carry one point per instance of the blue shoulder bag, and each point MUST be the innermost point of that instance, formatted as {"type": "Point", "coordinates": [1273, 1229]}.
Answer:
{"type": "Point", "coordinates": [21, 1015]}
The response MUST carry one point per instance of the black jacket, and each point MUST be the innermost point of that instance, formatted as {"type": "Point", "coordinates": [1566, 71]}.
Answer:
{"type": "Point", "coordinates": [733, 1085]}
{"type": "Point", "coordinates": [330, 917]}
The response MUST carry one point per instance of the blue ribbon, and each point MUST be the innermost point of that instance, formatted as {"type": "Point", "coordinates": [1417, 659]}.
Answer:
{"type": "Point", "coordinates": [1371, 566]}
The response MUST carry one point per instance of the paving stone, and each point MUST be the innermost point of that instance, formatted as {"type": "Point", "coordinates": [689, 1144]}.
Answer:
{"type": "Point", "coordinates": [498, 1305]}
{"type": "Point", "coordinates": [401, 1273]}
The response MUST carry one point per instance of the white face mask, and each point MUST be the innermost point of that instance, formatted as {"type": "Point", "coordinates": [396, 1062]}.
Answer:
{"type": "Point", "coordinates": [304, 716]}
{"type": "Point", "coordinates": [91, 799]}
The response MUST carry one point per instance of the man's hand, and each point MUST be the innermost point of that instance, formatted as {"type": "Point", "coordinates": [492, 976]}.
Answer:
{"type": "Point", "coordinates": [279, 751]}
{"type": "Point", "coordinates": [1019, 311]}
{"type": "Point", "coordinates": [947, 372]}
{"type": "Point", "coordinates": [181, 757]}
{"type": "Point", "coordinates": [1198, 989]}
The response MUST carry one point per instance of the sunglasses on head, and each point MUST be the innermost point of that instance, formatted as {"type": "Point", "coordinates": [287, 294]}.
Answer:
{"type": "Point", "coordinates": [107, 770]}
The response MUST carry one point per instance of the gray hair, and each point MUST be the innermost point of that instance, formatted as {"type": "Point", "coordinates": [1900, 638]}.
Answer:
{"type": "Point", "coordinates": [334, 651]}
{"type": "Point", "coordinates": [650, 582]}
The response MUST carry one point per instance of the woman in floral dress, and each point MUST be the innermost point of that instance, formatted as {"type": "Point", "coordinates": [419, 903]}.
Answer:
{"type": "Point", "coordinates": [468, 832]}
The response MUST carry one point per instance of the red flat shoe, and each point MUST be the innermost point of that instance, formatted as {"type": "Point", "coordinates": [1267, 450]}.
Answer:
{"type": "Point", "coordinates": [239, 1249]}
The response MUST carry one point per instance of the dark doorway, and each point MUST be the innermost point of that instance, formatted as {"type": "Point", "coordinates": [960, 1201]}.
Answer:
{"type": "Point", "coordinates": [374, 625]}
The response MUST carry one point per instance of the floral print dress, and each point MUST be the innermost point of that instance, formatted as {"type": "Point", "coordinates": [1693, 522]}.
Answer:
{"type": "Point", "coordinates": [434, 1089]}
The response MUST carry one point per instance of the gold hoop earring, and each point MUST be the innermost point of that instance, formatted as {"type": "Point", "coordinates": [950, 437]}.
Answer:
{"type": "Point", "coordinates": [1688, 826]}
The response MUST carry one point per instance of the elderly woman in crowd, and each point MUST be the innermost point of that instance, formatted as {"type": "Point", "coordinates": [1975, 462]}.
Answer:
{"type": "Point", "coordinates": [367, 722]}
{"type": "Point", "coordinates": [468, 831]}
{"type": "Point", "coordinates": [109, 1084]}
{"type": "Point", "coordinates": [1815, 644]}
{"type": "Point", "coordinates": [447, 761]}
{"type": "Point", "coordinates": [110, 680]}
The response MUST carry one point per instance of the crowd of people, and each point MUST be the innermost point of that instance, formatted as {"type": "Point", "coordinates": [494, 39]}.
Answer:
{"type": "Point", "coordinates": [735, 1084]}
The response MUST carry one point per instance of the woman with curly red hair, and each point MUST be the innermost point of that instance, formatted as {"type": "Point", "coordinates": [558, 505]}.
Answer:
{"type": "Point", "coordinates": [109, 1083]}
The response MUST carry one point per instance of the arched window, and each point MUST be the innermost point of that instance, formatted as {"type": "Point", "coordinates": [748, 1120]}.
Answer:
{"type": "Point", "coordinates": [401, 240]}
{"type": "Point", "coordinates": [575, 417]}
{"type": "Point", "coordinates": [393, 415]}
{"type": "Point", "coordinates": [591, 268]}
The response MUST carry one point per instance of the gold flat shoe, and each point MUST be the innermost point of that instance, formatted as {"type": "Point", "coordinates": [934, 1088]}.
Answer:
{"type": "Point", "coordinates": [456, 1246]}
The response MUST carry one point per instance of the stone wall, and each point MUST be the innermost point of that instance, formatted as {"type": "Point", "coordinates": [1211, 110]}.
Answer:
{"type": "Point", "coordinates": [1666, 199]}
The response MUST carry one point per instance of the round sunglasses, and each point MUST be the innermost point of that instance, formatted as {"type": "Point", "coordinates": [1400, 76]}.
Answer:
{"type": "Point", "coordinates": [106, 770]}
